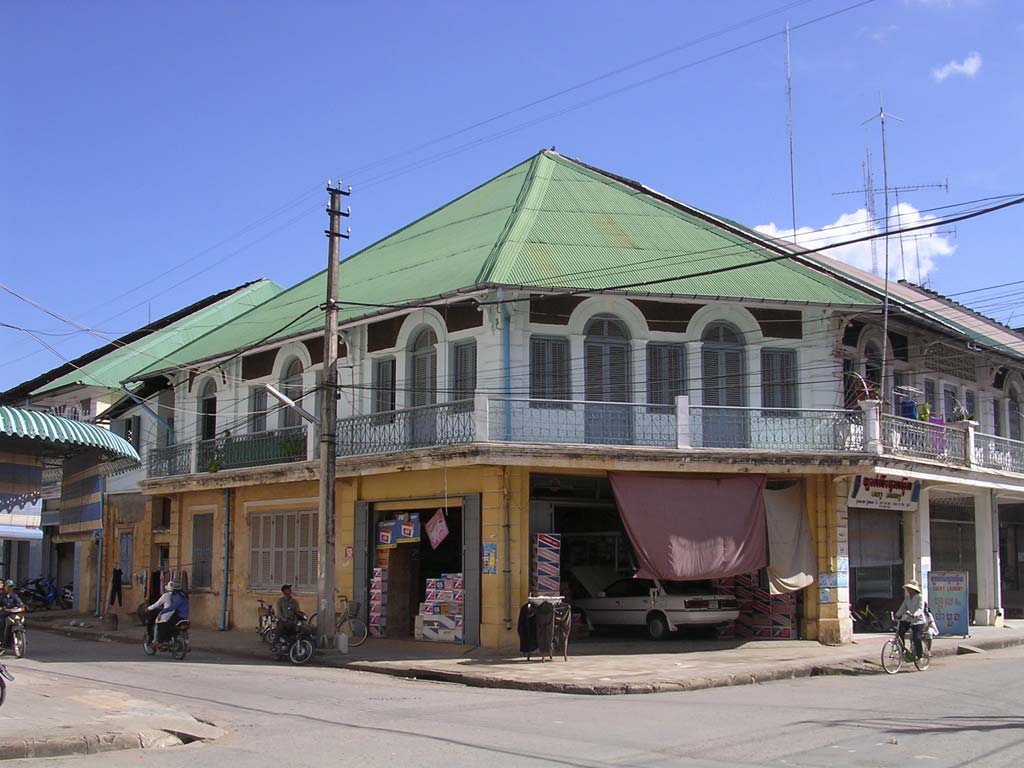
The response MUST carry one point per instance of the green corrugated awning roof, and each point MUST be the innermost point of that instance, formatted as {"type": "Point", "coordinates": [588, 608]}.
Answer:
{"type": "Point", "coordinates": [550, 223]}
{"type": "Point", "coordinates": [57, 431]}
{"type": "Point", "coordinates": [122, 363]}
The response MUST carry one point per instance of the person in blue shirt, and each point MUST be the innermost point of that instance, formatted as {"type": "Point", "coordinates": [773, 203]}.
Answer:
{"type": "Point", "coordinates": [172, 607]}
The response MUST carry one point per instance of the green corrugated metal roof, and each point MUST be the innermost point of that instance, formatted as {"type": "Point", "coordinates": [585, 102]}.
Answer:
{"type": "Point", "coordinates": [56, 430]}
{"type": "Point", "coordinates": [548, 222]}
{"type": "Point", "coordinates": [125, 362]}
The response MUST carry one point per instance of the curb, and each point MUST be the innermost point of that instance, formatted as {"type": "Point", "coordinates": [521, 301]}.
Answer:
{"type": "Point", "coordinates": [848, 666]}
{"type": "Point", "coordinates": [91, 744]}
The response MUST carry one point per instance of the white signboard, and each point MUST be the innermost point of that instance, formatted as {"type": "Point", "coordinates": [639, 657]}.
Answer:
{"type": "Point", "coordinates": [884, 493]}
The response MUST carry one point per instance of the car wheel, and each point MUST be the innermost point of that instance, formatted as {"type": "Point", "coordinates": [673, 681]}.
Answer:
{"type": "Point", "coordinates": [657, 626]}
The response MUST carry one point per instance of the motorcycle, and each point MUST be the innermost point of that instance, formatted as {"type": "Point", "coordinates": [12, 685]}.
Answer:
{"type": "Point", "coordinates": [4, 676]}
{"type": "Point", "coordinates": [300, 645]}
{"type": "Point", "coordinates": [40, 593]}
{"type": "Point", "coordinates": [178, 646]}
{"type": "Point", "coordinates": [18, 643]}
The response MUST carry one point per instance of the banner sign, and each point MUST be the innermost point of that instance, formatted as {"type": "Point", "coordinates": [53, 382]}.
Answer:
{"type": "Point", "coordinates": [490, 558]}
{"type": "Point", "coordinates": [884, 493]}
{"type": "Point", "coordinates": [437, 529]}
{"type": "Point", "coordinates": [947, 599]}
{"type": "Point", "coordinates": [391, 533]}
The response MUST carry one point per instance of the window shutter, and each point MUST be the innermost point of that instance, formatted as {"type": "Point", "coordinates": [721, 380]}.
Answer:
{"type": "Point", "coordinates": [538, 368]}
{"type": "Point", "coordinates": [560, 369]}
{"type": "Point", "coordinates": [618, 373]}
{"type": "Point", "coordinates": [710, 362]}
{"type": "Point", "coordinates": [464, 384]}
{"type": "Point", "coordinates": [778, 378]}
{"type": "Point", "coordinates": [596, 373]}
{"type": "Point", "coordinates": [257, 410]}
{"type": "Point", "coordinates": [971, 404]}
{"type": "Point", "coordinates": [1014, 425]}
{"type": "Point", "coordinates": [549, 369]}
{"type": "Point", "coordinates": [384, 386]}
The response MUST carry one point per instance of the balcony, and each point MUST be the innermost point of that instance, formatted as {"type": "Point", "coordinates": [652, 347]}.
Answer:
{"type": "Point", "coordinates": [169, 461]}
{"type": "Point", "coordinates": [678, 427]}
{"type": "Point", "coordinates": [260, 449]}
{"type": "Point", "coordinates": [422, 427]}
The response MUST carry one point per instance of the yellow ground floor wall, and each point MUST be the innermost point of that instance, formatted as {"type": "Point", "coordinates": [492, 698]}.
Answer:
{"type": "Point", "coordinates": [503, 491]}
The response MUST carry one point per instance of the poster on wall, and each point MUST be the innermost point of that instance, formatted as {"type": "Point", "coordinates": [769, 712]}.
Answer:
{"type": "Point", "coordinates": [490, 558]}
{"type": "Point", "coordinates": [947, 599]}
{"type": "Point", "coordinates": [884, 493]}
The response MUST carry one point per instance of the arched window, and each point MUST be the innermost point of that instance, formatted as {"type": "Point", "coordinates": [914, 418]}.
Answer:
{"type": "Point", "coordinates": [606, 352]}
{"type": "Point", "coordinates": [423, 368]}
{"type": "Point", "coordinates": [723, 383]}
{"type": "Point", "coordinates": [423, 387]}
{"type": "Point", "coordinates": [208, 410]}
{"type": "Point", "coordinates": [723, 366]}
{"type": "Point", "coordinates": [291, 386]}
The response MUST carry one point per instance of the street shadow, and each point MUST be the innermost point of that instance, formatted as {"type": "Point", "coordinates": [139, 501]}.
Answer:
{"type": "Point", "coordinates": [916, 726]}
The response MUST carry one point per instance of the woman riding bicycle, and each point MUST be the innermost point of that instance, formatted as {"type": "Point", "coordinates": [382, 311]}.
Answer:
{"type": "Point", "coordinates": [911, 615]}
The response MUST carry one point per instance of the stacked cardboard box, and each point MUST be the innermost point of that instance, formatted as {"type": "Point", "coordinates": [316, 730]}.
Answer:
{"type": "Point", "coordinates": [547, 564]}
{"type": "Point", "coordinates": [763, 616]}
{"type": "Point", "coordinates": [379, 602]}
{"type": "Point", "coordinates": [441, 617]}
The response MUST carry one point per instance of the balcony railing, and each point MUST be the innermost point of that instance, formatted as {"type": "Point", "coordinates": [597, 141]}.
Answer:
{"type": "Point", "coordinates": [776, 429]}
{"type": "Point", "coordinates": [525, 420]}
{"type": "Point", "coordinates": [170, 461]}
{"type": "Point", "coordinates": [276, 446]}
{"type": "Point", "coordinates": [420, 427]}
{"type": "Point", "coordinates": [994, 452]}
{"type": "Point", "coordinates": [924, 440]}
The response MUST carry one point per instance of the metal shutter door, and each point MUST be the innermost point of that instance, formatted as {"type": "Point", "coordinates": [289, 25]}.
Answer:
{"type": "Point", "coordinates": [471, 567]}
{"type": "Point", "coordinates": [361, 555]}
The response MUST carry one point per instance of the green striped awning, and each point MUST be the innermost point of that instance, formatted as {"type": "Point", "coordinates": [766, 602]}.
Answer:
{"type": "Point", "coordinates": [56, 430]}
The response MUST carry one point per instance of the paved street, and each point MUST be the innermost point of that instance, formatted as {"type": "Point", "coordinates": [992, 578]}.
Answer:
{"type": "Point", "coordinates": [964, 711]}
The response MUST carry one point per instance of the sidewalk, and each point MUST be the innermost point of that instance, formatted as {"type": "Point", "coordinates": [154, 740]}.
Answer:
{"type": "Point", "coordinates": [86, 720]}
{"type": "Point", "coordinates": [615, 666]}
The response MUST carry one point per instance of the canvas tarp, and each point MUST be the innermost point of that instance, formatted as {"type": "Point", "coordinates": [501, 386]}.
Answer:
{"type": "Point", "coordinates": [684, 529]}
{"type": "Point", "coordinates": [791, 561]}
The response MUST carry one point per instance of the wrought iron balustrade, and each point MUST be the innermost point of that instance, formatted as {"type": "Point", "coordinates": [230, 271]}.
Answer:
{"type": "Point", "coordinates": [994, 452]}
{"type": "Point", "coordinates": [924, 440]}
{"type": "Point", "coordinates": [169, 461]}
{"type": "Point", "coordinates": [259, 449]}
{"type": "Point", "coordinates": [526, 420]}
{"type": "Point", "coordinates": [426, 426]}
{"type": "Point", "coordinates": [776, 429]}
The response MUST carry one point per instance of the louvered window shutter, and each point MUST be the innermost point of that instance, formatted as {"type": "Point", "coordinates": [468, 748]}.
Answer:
{"type": "Point", "coordinates": [778, 378]}
{"type": "Point", "coordinates": [549, 369]}
{"type": "Point", "coordinates": [1014, 425]}
{"type": "Point", "coordinates": [733, 378]}
{"type": "Point", "coordinates": [464, 384]}
{"type": "Point", "coordinates": [560, 369]}
{"type": "Point", "coordinates": [596, 372]}
{"type": "Point", "coordinates": [258, 410]}
{"type": "Point", "coordinates": [710, 361]}
{"type": "Point", "coordinates": [617, 356]}
{"type": "Point", "coordinates": [384, 386]}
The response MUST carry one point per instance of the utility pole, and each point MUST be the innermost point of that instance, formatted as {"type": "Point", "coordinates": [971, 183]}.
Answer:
{"type": "Point", "coordinates": [329, 424]}
{"type": "Point", "coordinates": [789, 129]}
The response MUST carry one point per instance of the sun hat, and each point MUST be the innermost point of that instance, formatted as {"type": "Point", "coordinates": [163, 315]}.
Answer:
{"type": "Point", "coordinates": [9, 583]}
{"type": "Point", "coordinates": [912, 584]}
{"type": "Point", "coordinates": [171, 586]}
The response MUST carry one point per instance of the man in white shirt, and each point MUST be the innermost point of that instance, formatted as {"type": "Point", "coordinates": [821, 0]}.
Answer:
{"type": "Point", "coordinates": [911, 616]}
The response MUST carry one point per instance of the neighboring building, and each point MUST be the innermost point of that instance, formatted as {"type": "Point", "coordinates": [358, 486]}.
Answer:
{"type": "Point", "coordinates": [565, 351]}
{"type": "Point", "coordinates": [91, 389]}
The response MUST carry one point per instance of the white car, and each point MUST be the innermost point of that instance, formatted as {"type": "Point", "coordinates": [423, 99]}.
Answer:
{"type": "Point", "coordinates": [661, 606]}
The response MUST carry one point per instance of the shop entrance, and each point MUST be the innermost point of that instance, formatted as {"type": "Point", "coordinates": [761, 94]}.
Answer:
{"type": "Point", "coordinates": [876, 561]}
{"type": "Point", "coordinates": [1011, 559]}
{"type": "Point", "coordinates": [416, 569]}
{"type": "Point", "coordinates": [953, 540]}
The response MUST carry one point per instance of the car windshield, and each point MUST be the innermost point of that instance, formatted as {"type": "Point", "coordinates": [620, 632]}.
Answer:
{"type": "Point", "coordinates": [688, 587]}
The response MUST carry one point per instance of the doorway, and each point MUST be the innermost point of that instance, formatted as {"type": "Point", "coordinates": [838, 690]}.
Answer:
{"type": "Point", "coordinates": [606, 373]}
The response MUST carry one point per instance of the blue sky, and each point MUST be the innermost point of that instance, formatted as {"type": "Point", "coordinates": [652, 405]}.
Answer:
{"type": "Point", "coordinates": [194, 138]}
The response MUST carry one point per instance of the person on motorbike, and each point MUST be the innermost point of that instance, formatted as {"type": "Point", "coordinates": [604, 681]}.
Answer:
{"type": "Point", "coordinates": [10, 603]}
{"type": "Point", "coordinates": [173, 608]}
{"type": "Point", "coordinates": [288, 614]}
{"type": "Point", "coordinates": [911, 615]}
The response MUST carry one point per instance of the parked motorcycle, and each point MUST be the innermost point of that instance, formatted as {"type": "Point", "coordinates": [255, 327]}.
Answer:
{"type": "Point", "coordinates": [40, 593]}
{"type": "Point", "coordinates": [4, 677]}
{"type": "Point", "coordinates": [18, 643]}
{"type": "Point", "coordinates": [300, 645]}
{"type": "Point", "coordinates": [178, 646]}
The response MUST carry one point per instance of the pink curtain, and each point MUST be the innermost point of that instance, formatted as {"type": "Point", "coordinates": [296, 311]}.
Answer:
{"type": "Point", "coordinates": [684, 528]}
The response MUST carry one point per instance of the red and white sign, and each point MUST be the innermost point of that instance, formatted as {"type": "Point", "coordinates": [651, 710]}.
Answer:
{"type": "Point", "coordinates": [437, 529]}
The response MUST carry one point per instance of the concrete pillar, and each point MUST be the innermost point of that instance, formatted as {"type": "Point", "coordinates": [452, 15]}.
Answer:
{"type": "Point", "coordinates": [872, 426]}
{"type": "Point", "coordinates": [989, 612]}
{"type": "Point", "coordinates": [834, 624]}
{"type": "Point", "coordinates": [683, 437]}
{"type": "Point", "coordinates": [917, 543]}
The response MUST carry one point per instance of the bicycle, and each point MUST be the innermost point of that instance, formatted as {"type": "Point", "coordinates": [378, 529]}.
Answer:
{"type": "Point", "coordinates": [895, 652]}
{"type": "Point", "coordinates": [266, 624]}
{"type": "Point", "coordinates": [357, 629]}
{"type": "Point", "coordinates": [869, 621]}
{"type": "Point", "coordinates": [4, 676]}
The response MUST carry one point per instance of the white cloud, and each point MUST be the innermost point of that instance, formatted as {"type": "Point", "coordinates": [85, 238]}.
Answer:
{"type": "Point", "coordinates": [883, 34]}
{"type": "Point", "coordinates": [923, 247]}
{"type": "Point", "coordinates": [969, 67]}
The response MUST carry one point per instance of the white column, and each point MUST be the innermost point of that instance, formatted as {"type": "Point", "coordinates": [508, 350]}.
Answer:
{"type": "Point", "coordinates": [986, 539]}
{"type": "Point", "coordinates": [694, 372]}
{"type": "Point", "coordinates": [638, 371]}
{"type": "Point", "coordinates": [917, 543]}
{"type": "Point", "coordinates": [577, 367]}
{"type": "Point", "coordinates": [753, 382]}
{"type": "Point", "coordinates": [872, 426]}
{"type": "Point", "coordinates": [683, 437]}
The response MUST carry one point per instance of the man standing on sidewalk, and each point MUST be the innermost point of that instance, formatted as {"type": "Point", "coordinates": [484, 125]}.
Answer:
{"type": "Point", "coordinates": [10, 603]}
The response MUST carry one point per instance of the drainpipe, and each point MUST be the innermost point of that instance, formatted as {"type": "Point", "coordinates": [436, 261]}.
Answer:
{"type": "Point", "coordinates": [506, 344]}
{"type": "Point", "coordinates": [227, 561]}
{"type": "Point", "coordinates": [507, 526]}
